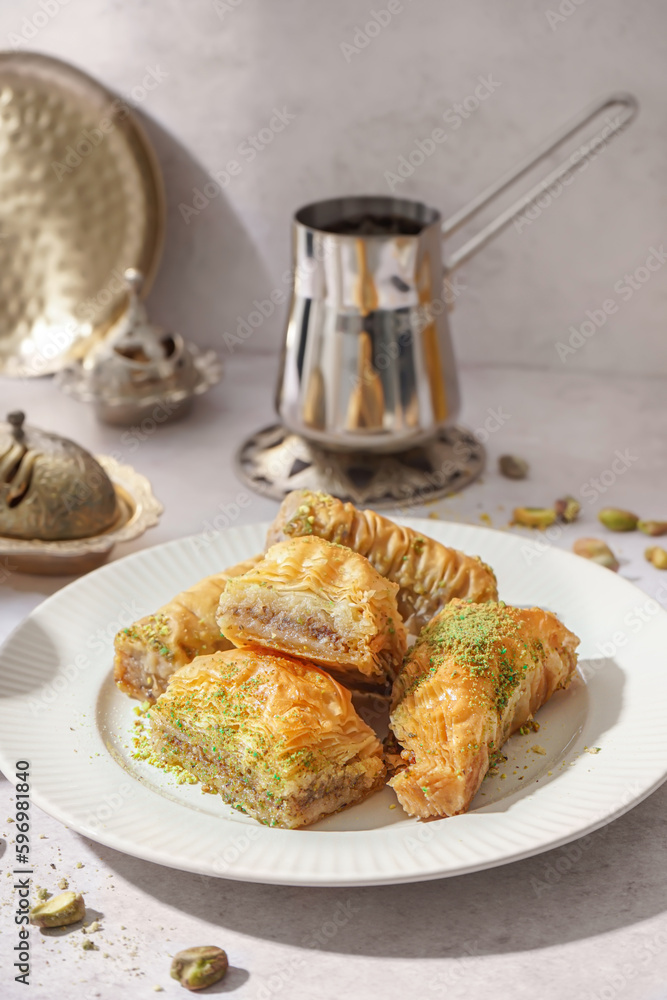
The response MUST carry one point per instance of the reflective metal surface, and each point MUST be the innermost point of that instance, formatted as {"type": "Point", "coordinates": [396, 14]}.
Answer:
{"type": "Point", "coordinates": [82, 199]}
{"type": "Point", "coordinates": [274, 462]}
{"type": "Point", "coordinates": [138, 370]}
{"type": "Point", "coordinates": [367, 362]}
{"type": "Point", "coordinates": [50, 488]}
{"type": "Point", "coordinates": [137, 509]}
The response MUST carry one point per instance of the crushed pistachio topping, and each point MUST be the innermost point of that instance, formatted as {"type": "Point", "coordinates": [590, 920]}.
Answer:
{"type": "Point", "coordinates": [221, 722]}
{"type": "Point", "coordinates": [496, 759]}
{"type": "Point", "coordinates": [153, 631]}
{"type": "Point", "coordinates": [483, 640]}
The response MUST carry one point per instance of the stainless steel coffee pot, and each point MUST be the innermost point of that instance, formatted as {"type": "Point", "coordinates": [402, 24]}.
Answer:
{"type": "Point", "coordinates": [367, 362]}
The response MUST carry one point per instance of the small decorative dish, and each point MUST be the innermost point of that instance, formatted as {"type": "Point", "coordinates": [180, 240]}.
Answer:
{"type": "Point", "coordinates": [138, 370]}
{"type": "Point", "coordinates": [61, 509]}
{"type": "Point", "coordinates": [603, 741]}
{"type": "Point", "coordinates": [138, 510]}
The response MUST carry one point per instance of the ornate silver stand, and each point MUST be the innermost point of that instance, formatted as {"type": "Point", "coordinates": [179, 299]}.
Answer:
{"type": "Point", "coordinates": [274, 461]}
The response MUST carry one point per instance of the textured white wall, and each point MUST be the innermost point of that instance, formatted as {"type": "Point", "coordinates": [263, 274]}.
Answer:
{"type": "Point", "coordinates": [356, 113]}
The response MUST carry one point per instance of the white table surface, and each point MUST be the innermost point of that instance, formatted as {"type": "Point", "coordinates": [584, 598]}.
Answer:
{"type": "Point", "coordinates": [587, 923]}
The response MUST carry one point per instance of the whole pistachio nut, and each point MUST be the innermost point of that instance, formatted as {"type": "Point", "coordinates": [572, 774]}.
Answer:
{"type": "Point", "coordinates": [512, 467]}
{"type": "Point", "coordinates": [657, 556]}
{"type": "Point", "coordinates": [653, 528]}
{"type": "Point", "coordinates": [59, 911]}
{"type": "Point", "coordinates": [567, 509]}
{"type": "Point", "coordinates": [197, 968]}
{"type": "Point", "coordinates": [534, 517]}
{"type": "Point", "coordinates": [617, 520]}
{"type": "Point", "coordinates": [597, 551]}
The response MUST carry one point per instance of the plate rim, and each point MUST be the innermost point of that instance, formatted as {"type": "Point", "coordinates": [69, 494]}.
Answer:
{"type": "Point", "coordinates": [424, 873]}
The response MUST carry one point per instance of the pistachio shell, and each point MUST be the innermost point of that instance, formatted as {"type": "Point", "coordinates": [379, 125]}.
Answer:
{"type": "Point", "coordinates": [197, 968]}
{"type": "Point", "coordinates": [534, 517]}
{"type": "Point", "coordinates": [653, 528]}
{"type": "Point", "coordinates": [512, 467]}
{"type": "Point", "coordinates": [567, 509]}
{"type": "Point", "coordinates": [617, 520]}
{"type": "Point", "coordinates": [597, 551]}
{"type": "Point", "coordinates": [657, 556]}
{"type": "Point", "coordinates": [59, 911]}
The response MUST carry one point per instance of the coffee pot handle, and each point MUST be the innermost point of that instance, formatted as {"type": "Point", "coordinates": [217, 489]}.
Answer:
{"type": "Point", "coordinates": [574, 162]}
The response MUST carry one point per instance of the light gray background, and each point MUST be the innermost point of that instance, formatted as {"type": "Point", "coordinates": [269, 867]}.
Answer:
{"type": "Point", "coordinates": [227, 69]}
{"type": "Point", "coordinates": [600, 930]}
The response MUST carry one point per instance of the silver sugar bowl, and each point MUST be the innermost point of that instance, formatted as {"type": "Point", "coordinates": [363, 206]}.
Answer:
{"type": "Point", "coordinates": [139, 370]}
{"type": "Point", "coordinates": [51, 489]}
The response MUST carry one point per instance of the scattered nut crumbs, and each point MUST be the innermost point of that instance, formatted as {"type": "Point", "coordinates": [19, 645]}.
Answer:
{"type": "Point", "coordinates": [592, 749]}
{"type": "Point", "coordinates": [597, 551]}
{"type": "Point", "coordinates": [59, 911]}
{"type": "Point", "coordinates": [617, 520]}
{"type": "Point", "coordinates": [534, 517]}
{"type": "Point", "coordinates": [63, 884]}
{"type": "Point", "coordinates": [652, 527]}
{"type": "Point", "coordinates": [42, 893]}
{"type": "Point", "coordinates": [656, 556]}
{"type": "Point", "coordinates": [89, 945]}
{"type": "Point", "coordinates": [197, 968]}
{"type": "Point", "coordinates": [513, 467]}
{"type": "Point", "coordinates": [567, 509]}
{"type": "Point", "coordinates": [78, 865]}
{"type": "Point", "coordinates": [539, 749]}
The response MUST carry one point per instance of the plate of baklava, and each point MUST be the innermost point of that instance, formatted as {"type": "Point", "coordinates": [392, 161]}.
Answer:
{"type": "Point", "coordinates": [338, 698]}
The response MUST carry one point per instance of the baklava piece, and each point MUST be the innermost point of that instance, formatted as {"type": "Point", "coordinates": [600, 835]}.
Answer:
{"type": "Point", "coordinates": [476, 674]}
{"type": "Point", "coordinates": [308, 597]}
{"type": "Point", "coordinates": [278, 738]}
{"type": "Point", "coordinates": [149, 651]}
{"type": "Point", "coordinates": [428, 573]}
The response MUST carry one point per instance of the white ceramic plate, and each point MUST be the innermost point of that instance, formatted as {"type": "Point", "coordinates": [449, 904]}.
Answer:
{"type": "Point", "coordinates": [60, 711]}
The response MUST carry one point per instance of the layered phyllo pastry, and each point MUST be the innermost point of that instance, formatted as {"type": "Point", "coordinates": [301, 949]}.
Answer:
{"type": "Point", "coordinates": [148, 652]}
{"type": "Point", "coordinates": [476, 674]}
{"type": "Point", "coordinates": [428, 573]}
{"type": "Point", "coordinates": [276, 737]}
{"type": "Point", "coordinates": [311, 598]}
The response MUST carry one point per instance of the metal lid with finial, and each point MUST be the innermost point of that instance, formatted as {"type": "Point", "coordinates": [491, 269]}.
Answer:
{"type": "Point", "coordinates": [51, 488]}
{"type": "Point", "coordinates": [138, 366]}
{"type": "Point", "coordinates": [16, 419]}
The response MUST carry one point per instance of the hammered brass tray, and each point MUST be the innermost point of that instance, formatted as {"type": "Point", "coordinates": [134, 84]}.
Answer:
{"type": "Point", "coordinates": [82, 200]}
